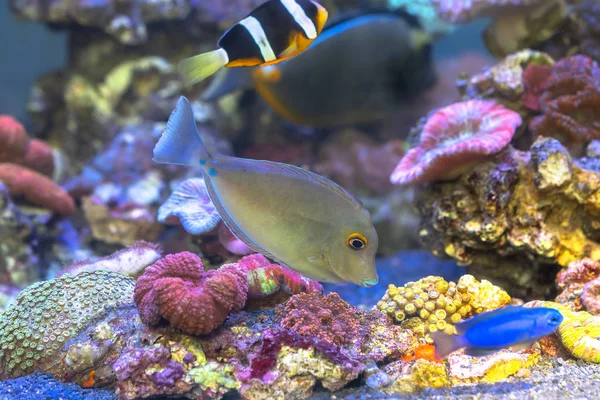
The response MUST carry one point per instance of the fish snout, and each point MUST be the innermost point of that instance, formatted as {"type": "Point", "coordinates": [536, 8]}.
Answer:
{"type": "Point", "coordinates": [370, 282]}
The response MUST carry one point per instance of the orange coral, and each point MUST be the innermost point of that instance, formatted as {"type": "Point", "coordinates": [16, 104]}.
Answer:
{"type": "Point", "coordinates": [36, 188]}
{"type": "Point", "coordinates": [423, 352]}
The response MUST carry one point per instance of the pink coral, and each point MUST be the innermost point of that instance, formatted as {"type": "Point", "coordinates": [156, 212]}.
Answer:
{"type": "Point", "coordinates": [460, 11]}
{"type": "Point", "coordinates": [580, 285]}
{"type": "Point", "coordinates": [36, 188]}
{"type": "Point", "coordinates": [16, 147]}
{"type": "Point", "coordinates": [569, 102]}
{"type": "Point", "coordinates": [178, 289]}
{"type": "Point", "coordinates": [328, 318]}
{"type": "Point", "coordinates": [534, 78]}
{"type": "Point", "coordinates": [231, 243]}
{"type": "Point", "coordinates": [266, 279]}
{"type": "Point", "coordinates": [455, 139]}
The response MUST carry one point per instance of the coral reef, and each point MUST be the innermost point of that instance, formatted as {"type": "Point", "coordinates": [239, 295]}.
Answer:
{"type": "Point", "coordinates": [178, 289]}
{"type": "Point", "coordinates": [517, 24]}
{"type": "Point", "coordinates": [579, 284]}
{"type": "Point", "coordinates": [432, 304]}
{"type": "Point", "coordinates": [499, 221]}
{"type": "Point", "coordinates": [455, 139]}
{"type": "Point", "coordinates": [129, 261]}
{"type": "Point", "coordinates": [127, 22]}
{"type": "Point", "coordinates": [567, 99]}
{"type": "Point", "coordinates": [579, 332]}
{"type": "Point", "coordinates": [37, 326]}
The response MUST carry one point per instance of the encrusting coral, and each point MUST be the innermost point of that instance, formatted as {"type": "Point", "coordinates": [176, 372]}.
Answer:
{"type": "Point", "coordinates": [432, 304]}
{"type": "Point", "coordinates": [579, 284]}
{"type": "Point", "coordinates": [516, 219]}
{"type": "Point", "coordinates": [35, 328]}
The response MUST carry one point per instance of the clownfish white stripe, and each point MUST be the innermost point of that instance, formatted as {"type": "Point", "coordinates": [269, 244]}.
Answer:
{"type": "Point", "coordinates": [300, 17]}
{"type": "Point", "coordinates": [260, 38]}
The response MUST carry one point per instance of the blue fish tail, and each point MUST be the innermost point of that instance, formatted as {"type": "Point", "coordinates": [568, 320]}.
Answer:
{"type": "Point", "coordinates": [445, 344]}
{"type": "Point", "coordinates": [180, 143]}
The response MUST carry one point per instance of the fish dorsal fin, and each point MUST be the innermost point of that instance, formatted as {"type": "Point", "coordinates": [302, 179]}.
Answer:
{"type": "Point", "coordinates": [293, 171]}
{"type": "Point", "coordinates": [351, 15]}
{"type": "Point", "coordinates": [233, 227]}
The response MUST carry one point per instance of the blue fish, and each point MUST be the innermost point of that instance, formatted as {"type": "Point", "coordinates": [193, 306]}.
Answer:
{"type": "Point", "coordinates": [486, 333]}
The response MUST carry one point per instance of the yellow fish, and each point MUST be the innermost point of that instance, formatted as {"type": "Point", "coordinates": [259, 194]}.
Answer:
{"type": "Point", "coordinates": [291, 215]}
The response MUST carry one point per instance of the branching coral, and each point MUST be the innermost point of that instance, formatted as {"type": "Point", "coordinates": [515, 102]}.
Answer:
{"type": "Point", "coordinates": [455, 139]}
{"type": "Point", "coordinates": [178, 289]}
{"type": "Point", "coordinates": [432, 304]}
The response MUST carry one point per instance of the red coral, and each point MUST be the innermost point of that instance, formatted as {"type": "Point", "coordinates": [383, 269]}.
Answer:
{"type": "Point", "coordinates": [590, 296]}
{"type": "Point", "coordinates": [569, 101]}
{"type": "Point", "coordinates": [455, 139]}
{"type": "Point", "coordinates": [17, 148]}
{"type": "Point", "coordinates": [36, 188]}
{"type": "Point", "coordinates": [534, 78]}
{"type": "Point", "coordinates": [178, 289]}
{"type": "Point", "coordinates": [329, 318]}
{"type": "Point", "coordinates": [266, 279]}
{"type": "Point", "coordinates": [573, 280]}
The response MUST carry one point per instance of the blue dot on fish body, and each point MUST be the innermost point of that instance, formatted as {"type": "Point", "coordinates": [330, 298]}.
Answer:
{"type": "Point", "coordinates": [212, 172]}
{"type": "Point", "coordinates": [202, 162]}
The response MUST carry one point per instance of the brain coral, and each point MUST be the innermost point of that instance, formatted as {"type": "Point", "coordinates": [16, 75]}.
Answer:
{"type": "Point", "coordinates": [47, 314]}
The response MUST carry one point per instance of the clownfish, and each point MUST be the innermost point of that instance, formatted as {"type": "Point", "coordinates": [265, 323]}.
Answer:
{"type": "Point", "coordinates": [362, 67]}
{"type": "Point", "coordinates": [274, 31]}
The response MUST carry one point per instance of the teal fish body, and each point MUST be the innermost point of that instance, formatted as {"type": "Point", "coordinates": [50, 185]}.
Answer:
{"type": "Point", "coordinates": [357, 70]}
{"type": "Point", "coordinates": [486, 333]}
{"type": "Point", "coordinates": [289, 214]}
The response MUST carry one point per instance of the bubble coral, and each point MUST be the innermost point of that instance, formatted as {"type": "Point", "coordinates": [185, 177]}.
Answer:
{"type": "Point", "coordinates": [36, 188]}
{"type": "Point", "coordinates": [455, 139]}
{"type": "Point", "coordinates": [177, 288]}
{"type": "Point", "coordinates": [569, 100]}
{"type": "Point", "coordinates": [432, 304]}
{"type": "Point", "coordinates": [45, 315]}
{"type": "Point", "coordinates": [579, 332]}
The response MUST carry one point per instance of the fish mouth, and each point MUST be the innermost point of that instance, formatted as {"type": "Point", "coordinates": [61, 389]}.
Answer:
{"type": "Point", "coordinates": [370, 282]}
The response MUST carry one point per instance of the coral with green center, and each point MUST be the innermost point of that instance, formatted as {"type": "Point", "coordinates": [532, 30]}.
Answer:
{"type": "Point", "coordinates": [432, 304]}
{"type": "Point", "coordinates": [35, 328]}
{"type": "Point", "coordinates": [518, 219]}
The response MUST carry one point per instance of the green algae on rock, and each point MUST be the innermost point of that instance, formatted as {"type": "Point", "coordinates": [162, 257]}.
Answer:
{"type": "Point", "coordinates": [36, 328]}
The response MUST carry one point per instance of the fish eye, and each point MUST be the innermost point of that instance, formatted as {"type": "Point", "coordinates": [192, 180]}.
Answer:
{"type": "Point", "coordinates": [554, 319]}
{"type": "Point", "coordinates": [356, 241]}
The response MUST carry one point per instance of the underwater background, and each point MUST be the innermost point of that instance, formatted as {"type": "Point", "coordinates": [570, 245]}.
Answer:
{"type": "Point", "coordinates": [467, 132]}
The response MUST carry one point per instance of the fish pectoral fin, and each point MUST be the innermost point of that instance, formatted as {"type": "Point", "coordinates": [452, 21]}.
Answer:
{"type": "Point", "coordinates": [480, 352]}
{"type": "Point", "coordinates": [318, 260]}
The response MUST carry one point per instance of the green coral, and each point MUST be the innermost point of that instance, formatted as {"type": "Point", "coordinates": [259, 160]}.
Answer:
{"type": "Point", "coordinates": [216, 377]}
{"type": "Point", "coordinates": [48, 314]}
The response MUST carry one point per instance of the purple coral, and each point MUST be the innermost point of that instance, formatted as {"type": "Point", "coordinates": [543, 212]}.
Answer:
{"type": "Point", "coordinates": [461, 11]}
{"type": "Point", "coordinates": [455, 139]}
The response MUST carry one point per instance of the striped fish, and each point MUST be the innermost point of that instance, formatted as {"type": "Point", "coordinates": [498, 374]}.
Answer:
{"type": "Point", "coordinates": [274, 31]}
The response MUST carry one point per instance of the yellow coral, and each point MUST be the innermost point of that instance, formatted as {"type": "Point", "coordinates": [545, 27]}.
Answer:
{"type": "Point", "coordinates": [489, 369]}
{"type": "Point", "coordinates": [579, 332]}
{"type": "Point", "coordinates": [420, 375]}
{"type": "Point", "coordinates": [433, 304]}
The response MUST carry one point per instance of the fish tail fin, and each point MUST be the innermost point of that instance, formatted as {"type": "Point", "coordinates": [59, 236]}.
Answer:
{"type": "Point", "coordinates": [200, 67]}
{"type": "Point", "coordinates": [228, 80]}
{"type": "Point", "coordinates": [445, 344]}
{"type": "Point", "coordinates": [180, 142]}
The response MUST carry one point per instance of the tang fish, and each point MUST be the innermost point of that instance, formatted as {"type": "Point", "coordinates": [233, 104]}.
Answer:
{"type": "Point", "coordinates": [358, 70]}
{"type": "Point", "coordinates": [274, 31]}
{"type": "Point", "coordinates": [291, 215]}
{"type": "Point", "coordinates": [486, 333]}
